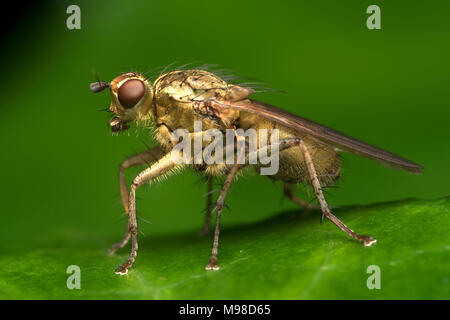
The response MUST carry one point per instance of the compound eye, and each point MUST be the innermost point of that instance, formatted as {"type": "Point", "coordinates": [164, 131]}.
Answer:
{"type": "Point", "coordinates": [130, 93]}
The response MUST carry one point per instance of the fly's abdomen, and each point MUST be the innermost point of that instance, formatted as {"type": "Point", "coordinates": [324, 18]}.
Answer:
{"type": "Point", "coordinates": [292, 167]}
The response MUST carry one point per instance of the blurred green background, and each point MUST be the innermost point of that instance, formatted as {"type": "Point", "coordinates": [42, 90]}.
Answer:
{"type": "Point", "coordinates": [59, 186]}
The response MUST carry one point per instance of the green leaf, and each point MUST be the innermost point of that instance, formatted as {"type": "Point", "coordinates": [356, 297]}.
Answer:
{"type": "Point", "coordinates": [289, 256]}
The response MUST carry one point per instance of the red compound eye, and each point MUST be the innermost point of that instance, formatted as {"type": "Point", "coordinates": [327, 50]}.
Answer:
{"type": "Point", "coordinates": [130, 93]}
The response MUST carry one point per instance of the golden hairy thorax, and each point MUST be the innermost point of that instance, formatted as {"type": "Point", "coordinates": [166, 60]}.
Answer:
{"type": "Point", "coordinates": [179, 96]}
{"type": "Point", "coordinates": [179, 101]}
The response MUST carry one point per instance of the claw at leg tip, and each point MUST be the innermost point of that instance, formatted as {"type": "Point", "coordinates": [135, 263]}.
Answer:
{"type": "Point", "coordinates": [212, 267]}
{"type": "Point", "coordinates": [369, 242]}
{"type": "Point", "coordinates": [122, 272]}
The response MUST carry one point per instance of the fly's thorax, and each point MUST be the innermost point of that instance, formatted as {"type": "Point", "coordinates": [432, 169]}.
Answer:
{"type": "Point", "coordinates": [131, 97]}
{"type": "Point", "coordinates": [180, 97]}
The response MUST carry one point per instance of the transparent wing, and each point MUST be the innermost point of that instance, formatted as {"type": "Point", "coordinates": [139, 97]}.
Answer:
{"type": "Point", "coordinates": [327, 135]}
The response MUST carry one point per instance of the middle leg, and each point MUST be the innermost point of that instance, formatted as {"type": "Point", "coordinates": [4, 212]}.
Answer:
{"type": "Point", "coordinates": [212, 265]}
{"type": "Point", "coordinates": [206, 229]}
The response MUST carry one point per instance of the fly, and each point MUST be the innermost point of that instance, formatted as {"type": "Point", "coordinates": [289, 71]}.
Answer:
{"type": "Point", "coordinates": [308, 152]}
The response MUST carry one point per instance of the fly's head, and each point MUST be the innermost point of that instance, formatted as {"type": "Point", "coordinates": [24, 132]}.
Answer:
{"type": "Point", "coordinates": [131, 99]}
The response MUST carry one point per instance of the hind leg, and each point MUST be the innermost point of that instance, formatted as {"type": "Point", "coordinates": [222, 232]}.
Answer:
{"type": "Point", "coordinates": [326, 212]}
{"type": "Point", "coordinates": [316, 184]}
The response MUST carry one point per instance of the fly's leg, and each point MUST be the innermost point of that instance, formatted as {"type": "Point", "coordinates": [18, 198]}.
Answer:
{"type": "Point", "coordinates": [283, 144]}
{"type": "Point", "coordinates": [289, 192]}
{"type": "Point", "coordinates": [207, 224]}
{"type": "Point", "coordinates": [161, 167]}
{"type": "Point", "coordinates": [367, 240]}
{"type": "Point", "coordinates": [212, 265]}
{"type": "Point", "coordinates": [145, 157]}
{"type": "Point", "coordinates": [141, 158]}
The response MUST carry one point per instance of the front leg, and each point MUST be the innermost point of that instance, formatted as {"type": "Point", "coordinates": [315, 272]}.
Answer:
{"type": "Point", "coordinates": [163, 166]}
{"type": "Point", "coordinates": [147, 156]}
